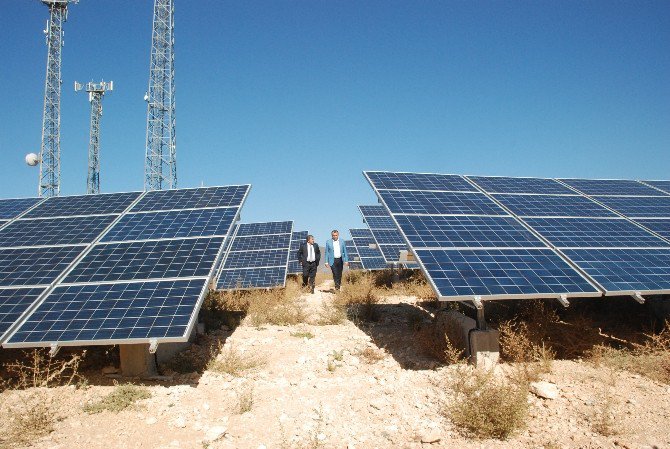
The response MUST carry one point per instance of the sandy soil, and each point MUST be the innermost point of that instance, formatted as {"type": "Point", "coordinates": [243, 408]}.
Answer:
{"type": "Point", "coordinates": [300, 400]}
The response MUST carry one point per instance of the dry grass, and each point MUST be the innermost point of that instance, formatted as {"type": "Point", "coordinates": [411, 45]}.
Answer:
{"type": "Point", "coordinates": [231, 361]}
{"type": "Point", "coordinates": [34, 417]}
{"type": "Point", "coordinates": [245, 398]}
{"type": "Point", "coordinates": [485, 405]}
{"type": "Point", "coordinates": [303, 334]}
{"type": "Point", "coordinates": [532, 359]}
{"type": "Point", "coordinates": [37, 368]}
{"type": "Point", "coordinates": [371, 355]}
{"type": "Point", "coordinates": [331, 313]}
{"type": "Point", "coordinates": [360, 298]}
{"type": "Point", "coordinates": [280, 307]}
{"type": "Point", "coordinates": [122, 397]}
{"type": "Point", "coordinates": [442, 339]}
{"type": "Point", "coordinates": [604, 420]}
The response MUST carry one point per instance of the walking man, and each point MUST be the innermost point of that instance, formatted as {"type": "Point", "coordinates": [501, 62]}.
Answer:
{"type": "Point", "coordinates": [336, 257]}
{"type": "Point", "coordinates": [309, 255]}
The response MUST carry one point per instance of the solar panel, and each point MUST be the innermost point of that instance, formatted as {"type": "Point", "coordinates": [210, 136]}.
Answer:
{"type": "Point", "coordinates": [371, 258]}
{"type": "Point", "coordinates": [639, 206]}
{"type": "Point", "coordinates": [593, 233]}
{"type": "Point", "coordinates": [54, 231]}
{"type": "Point", "coordinates": [258, 256]}
{"type": "Point", "coordinates": [659, 226]}
{"type": "Point", "coordinates": [503, 184]}
{"type": "Point", "coordinates": [35, 265]}
{"type": "Point", "coordinates": [297, 237]}
{"type": "Point", "coordinates": [13, 302]}
{"type": "Point", "coordinates": [376, 210]}
{"type": "Point", "coordinates": [626, 270]}
{"type": "Point", "coordinates": [356, 265]}
{"type": "Point", "coordinates": [419, 181]}
{"type": "Point", "coordinates": [172, 224]}
{"type": "Point", "coordinates": [470, 247]}
{"type": "Point", "coordinates": [204, 197]}
{"type": "Point", "coordinates": [14, 207]}
{"type": "Point", "coordinates": [662, 185]}
{"type": "Point", "coordinates": [552, 205]}
{"type": "Point", "coordinates": [65, 206]}
{"type": "Point", "coordinates": [145, 281]}
{"type": "Point", "coordinates": [380, 222]}
{"type": "Point", "coordinates": [611, 187]}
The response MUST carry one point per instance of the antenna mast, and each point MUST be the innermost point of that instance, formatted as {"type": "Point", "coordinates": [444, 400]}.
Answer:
{"type": "Point", "coordinates": [160, 167]}
{"type": "Point", "coordinates": [95, 94]}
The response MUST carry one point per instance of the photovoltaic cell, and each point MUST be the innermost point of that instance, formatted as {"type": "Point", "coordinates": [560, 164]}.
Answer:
{"type": "Point", "coordinates": [502, 184]}
{"type": "Point", "coordinates": [13, 302]}
{"type": "Point", "coordinates": [362, 237]}
{"type": "Point", "coordinates": [376, 210]}
{"type": "Point", "coordinates": [391, 253]}
{"type": "Point", "coordinates": [435, 203]}
{"type": "Point", "coordinates": [659, 226]}
{"type": "Point", "coordinates": [355, 265]}
{"type": "Point", "coordinates": [387, 237]}
{"type": "Point", "coordinates": [366, 251]}
{"type": "Point", "coordinates": [639, 206]}
{"type": "Point", "coordinates": [261, 242]}
{"type": "Point", "coordinates": [113, 312]}
{"type": "Point", "coordinates": [252, 278]}
{"type": "Point", "coordinates": [253, 259]}
{"type": "Point", "coordinates": [54, 231]}
{"type": "Point", "coordinates": [35, 266]}
{"type": "Point", "coordinates": [466, 231]}
{"type": "Point", "coordinates": [611, 187]}
{"type": "Point", "coordinates": [204, 197]}
{"type": "Point", "coordinates": [271, 227]}
{"type": "Point", "coordinates": [173, 224]}
{"type": "Point", "coordinates": [501, 273]}
{"type": "Point", "coordinates": [380, 222]}
{"type": "Point", "coordinates": [663, 185]}
{"type": "Point", "coordinates": [147, 260]}
{"type": "Point", "coordinates": [65, 206]}
{"type": "Point", "coordinates": [625, 270]}
{"type": "Point", "coordinates": [419, 181]}
{"type": "Point", "coordinates": [552, 205]}
{"type": "Point", "coordinates": [373, 263]}
{"type": "Point", "coordinates": [297, 237]}
{"type": "Point", "coordinates": [15, 207]}
{"type": "Point", "coordinates": [593, 233]}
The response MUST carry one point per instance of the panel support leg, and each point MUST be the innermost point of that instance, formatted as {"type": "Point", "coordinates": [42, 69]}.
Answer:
{"type": "Point", "coordinates": [137, 361]}
{"type": "Point", "coordinates": [484, 345]}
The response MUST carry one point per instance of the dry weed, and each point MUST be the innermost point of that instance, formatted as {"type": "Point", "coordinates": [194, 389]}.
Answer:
{"type": "Point", "coordinates": [231, 361]}
{"type": "Point", "coordinates": [33, 418]}
{"type": "Point", "coordinates": [371, 355]}
{"type": "Point", "coordinates": [280, 307]}
{"type": "Point", "coordinates": [245, 398]}
{"type": "Point", "coordinates": [360, 299]}
{"type": "Point", "coordinates": [443, 340]}
{"type": "Point", "coordinates": [38, 369]}
{"type": "Point", "coordinates": [122, 397]}
{"type": "Point", "coordinates": [604, 421]}
{"type": "Point", "coordinates": [331, 313]}
{"type": "Point", "coordinates": [532, 359]}
{"type": "Point", "coordinates": [486, 406]}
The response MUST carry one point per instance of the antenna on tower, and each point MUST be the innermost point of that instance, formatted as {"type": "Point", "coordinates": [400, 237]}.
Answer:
{"type": "Point", "coordinates": [160, 167]}
{"type": "Point", "coordinates": [49, 159]}
{"type": "Point", "coordinates": [95, 94]}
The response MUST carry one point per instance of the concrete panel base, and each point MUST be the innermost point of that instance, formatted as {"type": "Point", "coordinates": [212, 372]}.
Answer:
{"type": "Point", "coordinates": [137, 361]}
{"type": "Point", "coordinates": [455, 326]}
{"type": "Point", "coordinates": [484, 348]}
{"type": "Point", "coordinates": [166, 351]}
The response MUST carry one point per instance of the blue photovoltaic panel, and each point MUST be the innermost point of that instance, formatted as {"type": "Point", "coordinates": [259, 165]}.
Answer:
{"type": "Point", "coordinates": [173, 224]}
{"type": "Point", "coordinates": [552, 205]}
{"type": "Point", "coordinates": [271, 227]}
{"type": "Point", "coordinates": [611, 187]}
{"type": "Point", "coordinates": [466, 231]}
{"type": "Point", "coordinates": [419, 181]}
{"type": "Point", "coordinates": [391, 253]}
{"type": "Point", "coordinates": [226, 196]}
{"type": "Point", "coordinates": [253, 259]}
{"type": "Point", "coordinates": [503, 184]}
{"type": "Point", "coordinates": [380, 222]}
{"type": "Point", "coordinates": [261, 242]}
{"type": "Point", "coordinates": [54, 231]}
{"type": "Point", "coordinates": [435, 203]}
{"type": "Point", "coordinates": [147, 260]}
{"type": "Point", "coordinates": [362, 237]}
{"type": "Point", "coordinates": [13, 302]}
{"type": "Point", "coordinates": [373, 211]}
{"type": "Point", "coordinates": [357, 265]}
{"type": "Point", "coordinates": [592, 233]}
{"type": "Point", "coordinates": [35, 266]}
{"type": "Point", "coordinates": [351, 248]}
{"type": "Point", "coordinates": [252, 278]}
{"type": "Point", "coordinates": [297, 237]}
{"type": "Point", "coordinates": [15, 207]}
{"type": "Point", "coordinates": [501, 273]}
{"type": "Point", "coordinates": [370, 258]}
{"type": "Point", "coordinates": [366, 251]}
{"type": "Point", "coordinates": [659, 226]}
{"type": "Point", "coordinates": [639, 206]}
{"type": "Point", "coordinates": [373, 263]}
{"type": "Point", "coordinates": [294, 267]}
{"type": "Point", "coordinates": [387, 236]}
{"type": "Point", "coordinates": [625, 270]}
{"type": "Point", "coordinates": [113, 312]}
{"type": "Point", "coordinates": [64, 206]}
{"type": "Point", "coordinates": [663, 185]}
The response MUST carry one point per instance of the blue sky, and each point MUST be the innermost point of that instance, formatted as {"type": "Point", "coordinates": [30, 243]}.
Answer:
{"type": "Point", "coordinates": [298, 97]}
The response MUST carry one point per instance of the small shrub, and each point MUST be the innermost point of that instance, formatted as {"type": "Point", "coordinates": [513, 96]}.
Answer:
{"type": "Point", "coordinates": [442, 339]}
{"type": "Point", "coordinates": [122, 397]}
{"type": "Point", "coordinates": [245, 399]}
{"type": "Point", "coordinates": [603, 420]}
{"type": "Point", "coordinates": [305, 334]}
{"type": "Point", "coordinates": [32, 419]}
{"type": "Point", "coordinates": [486, 406]}
{"type": "Point", "coordinates": [371, 355]}
{"type": "Point", "coordinates": [516, 346]}
{"type": "Point", "coordinates": [37, 368]}
{"type": "Point", "coordinates": [280, 307]}
{"type": "Point", "coordinates": [331, 313]}
{"type": "Point", "coordinates": [360, 298]}
{"type": "Point", "coordinates": [231, 361]}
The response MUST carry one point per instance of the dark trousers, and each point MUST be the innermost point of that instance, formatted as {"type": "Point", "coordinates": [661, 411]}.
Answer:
{"type": "Point", "coordinates": [308, 274]}
{"type": "Point", "coordinates": [337, 268]}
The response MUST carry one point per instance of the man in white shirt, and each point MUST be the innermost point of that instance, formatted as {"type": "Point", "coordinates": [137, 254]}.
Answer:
{"type": "Point", "coordinates": [336, 257]}
{"type": "Point", "coordinates": [309, 256]}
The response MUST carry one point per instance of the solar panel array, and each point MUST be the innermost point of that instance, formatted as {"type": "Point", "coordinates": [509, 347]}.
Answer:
{"type": "Point", "coordinates": [354, 259]}
{"type": "Point", "coordinates": [297, 237]}
{"type": "Point", "coordinates": [468, 245]}
{"type": "Point", "coordinates": [386, 234]}
{"type": "Point", "coordinates": [258, 256]}
{"type": "Point", "coordinates": [370, 256]}
{"type": "Point", "coordinates": [113, 268]}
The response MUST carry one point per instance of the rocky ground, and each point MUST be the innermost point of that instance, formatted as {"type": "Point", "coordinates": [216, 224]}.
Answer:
{"type": "Point", "coordinates": [351, 386]}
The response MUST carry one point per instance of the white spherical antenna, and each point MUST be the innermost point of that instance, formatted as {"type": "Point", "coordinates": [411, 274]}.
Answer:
{"type": "Point", "coordinates": [32, 159]}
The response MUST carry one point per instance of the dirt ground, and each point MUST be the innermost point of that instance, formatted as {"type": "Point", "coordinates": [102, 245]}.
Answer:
{"type": "Point", "coordinates": [317, 389]}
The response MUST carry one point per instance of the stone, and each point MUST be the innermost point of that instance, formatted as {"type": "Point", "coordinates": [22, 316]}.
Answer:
{"type": "Point", "coordinates": [179, 422]}
{"type": "Point", "coordinates": [150, 421]}
{"type": "Point", "coordinates": [430, 436]}
{"type": "Point", "coordinates": [110, 370]}
{"type": "Point", "coordinates": [215, 433]}
{"type": "Point", "coordinates": [544, 390]}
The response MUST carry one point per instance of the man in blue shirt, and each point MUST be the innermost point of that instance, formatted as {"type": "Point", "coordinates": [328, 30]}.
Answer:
{"type": "Point", "coordinates": [336, 257]}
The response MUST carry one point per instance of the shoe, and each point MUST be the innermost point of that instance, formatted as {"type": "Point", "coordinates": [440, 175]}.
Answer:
{"type": "Point", "coordinates": [312, 291]}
